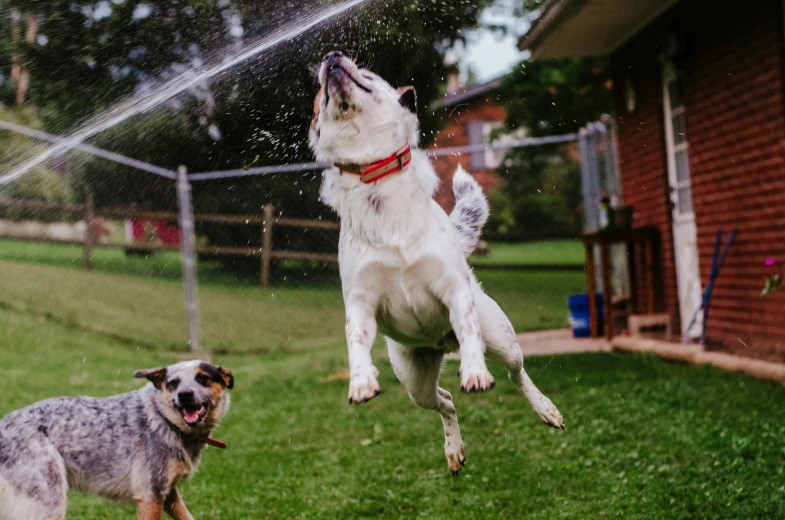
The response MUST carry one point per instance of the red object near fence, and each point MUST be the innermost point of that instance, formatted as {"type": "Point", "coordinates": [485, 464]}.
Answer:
{"type": "Point", "coordinates": [146, 231]}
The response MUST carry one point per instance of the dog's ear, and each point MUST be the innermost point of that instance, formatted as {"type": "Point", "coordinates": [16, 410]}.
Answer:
{"type": "Point", "coordinates": [408, 98]}
{"type": "Point", "coordinates": [157, 376]}
{"type": "Point", "coordinates": [227, 377]}
{"type": "Point", "coordinates": [220, 375]}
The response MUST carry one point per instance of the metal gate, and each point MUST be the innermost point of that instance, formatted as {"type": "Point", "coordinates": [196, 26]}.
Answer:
{"type": "Point", "coordinates": [600, 179]}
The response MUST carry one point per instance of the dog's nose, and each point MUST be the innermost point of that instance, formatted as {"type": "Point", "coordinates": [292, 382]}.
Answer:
{"type": "Point", "coordinates": [186, 397]}
{"type": "Point", "coordinates": [333, 56]}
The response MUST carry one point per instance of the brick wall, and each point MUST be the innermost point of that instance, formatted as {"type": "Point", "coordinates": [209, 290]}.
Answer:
{"type": "Point", "coordinates": [736, 129]}
{"type": "Point", "coordinates": [455, 133]}
{"type": "Point", "coordinates": [733, 91]}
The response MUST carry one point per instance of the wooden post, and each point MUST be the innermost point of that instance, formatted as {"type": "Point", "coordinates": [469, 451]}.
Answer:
{"type": "Point", "coordinates": [632, 276]}
{"type": "Point", "coordinates": [607, 289]}
{"type": "Point", "coordinates": [591, 278]}
{"type": "Point", "coordinates": [267, 244]}
{"type": "Point", "coordinates": [89, 232]}
{"type": "Point", "coordinates": [649, 271]}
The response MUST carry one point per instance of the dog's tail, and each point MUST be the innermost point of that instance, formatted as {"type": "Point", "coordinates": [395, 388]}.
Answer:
{"type": "Point", "coordinates": [470, 212]}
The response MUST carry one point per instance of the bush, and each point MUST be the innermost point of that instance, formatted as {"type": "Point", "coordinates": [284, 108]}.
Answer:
{"type": "Point", "coordinates": [40, 183]}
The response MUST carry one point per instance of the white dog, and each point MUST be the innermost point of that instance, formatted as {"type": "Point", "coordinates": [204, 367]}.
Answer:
{"type": "Point", "coordinates": [402, 259]}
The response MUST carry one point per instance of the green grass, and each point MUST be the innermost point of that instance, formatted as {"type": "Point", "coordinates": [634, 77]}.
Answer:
{"type": "Point", "coordinates": [542, 252]}
{"type": "Point", "coordinates": [141, 299]}
{"type": "Point", "coordinates": [162, 265]}
{"type": "Point", "coordinates": [644, 438]}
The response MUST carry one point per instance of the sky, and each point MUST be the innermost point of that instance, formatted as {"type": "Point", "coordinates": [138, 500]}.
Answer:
{"type": "Point", "coordinates": [491, 54]}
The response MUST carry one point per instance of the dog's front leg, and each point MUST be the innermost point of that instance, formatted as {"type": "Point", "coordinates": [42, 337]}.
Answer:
{"type": "Point", "coordinates": [455, 291]}
{"type": "Point", "coordinates": [149, 509]}
{"type": "Point", "coordinates": [360, 335]}
{"type": "Point", "coordinates": [175, 507]}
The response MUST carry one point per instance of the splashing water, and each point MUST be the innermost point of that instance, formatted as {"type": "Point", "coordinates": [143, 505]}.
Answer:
{"type": "Point", "coordinates": [153, 97]}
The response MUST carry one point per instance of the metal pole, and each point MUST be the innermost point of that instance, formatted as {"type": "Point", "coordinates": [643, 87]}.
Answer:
{"type": "Point", "coordinates": [188, 255]}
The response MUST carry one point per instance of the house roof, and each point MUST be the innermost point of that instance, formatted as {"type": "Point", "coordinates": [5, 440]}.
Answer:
{"type": "Point", "coordinates": [467, 94]}
{"type": "Point", "coordinates": [588, 27]}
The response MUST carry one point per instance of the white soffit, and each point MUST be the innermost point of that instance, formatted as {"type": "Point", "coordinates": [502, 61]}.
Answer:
{"type": "Point", "coordinates": [589, 27]}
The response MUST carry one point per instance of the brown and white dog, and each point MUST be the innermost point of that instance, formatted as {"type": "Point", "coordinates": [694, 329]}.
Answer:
{"type": "Point", "coordinates": [132, 448]}
{"type": "Point", "coordinates": [402, 258]}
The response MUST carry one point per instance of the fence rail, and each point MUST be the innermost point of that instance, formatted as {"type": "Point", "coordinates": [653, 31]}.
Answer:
{"type": "Point", "coordinates": [88, 213]}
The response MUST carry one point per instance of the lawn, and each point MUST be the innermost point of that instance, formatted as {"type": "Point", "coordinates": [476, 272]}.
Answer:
{"type": "Point", "coordinates": [141, 300]}
{"type": "Point", "coordinates": [542, 252]}
{"type": "Point", "coordinates": [644, 439]}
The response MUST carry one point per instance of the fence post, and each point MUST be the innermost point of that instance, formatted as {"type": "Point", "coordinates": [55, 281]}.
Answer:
{"type": "Point", "coordinates": [188, 256]}
{"type": "Point", "coordinates": [89, 233]}
{"type": "Point", "coordinates": [267, 244]}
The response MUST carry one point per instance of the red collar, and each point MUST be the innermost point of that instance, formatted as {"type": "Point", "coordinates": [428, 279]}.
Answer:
{"type": "Point", "coordinates": [373, 172]}
{"type": "Point", "coordinates": [212, 442]}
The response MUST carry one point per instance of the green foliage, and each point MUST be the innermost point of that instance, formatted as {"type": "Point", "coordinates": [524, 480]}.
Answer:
{"type": "Point", "coordinates": [543, 193]}
{"type": "Point", "coordinates": [42, 183]}
{"type": "Point", "coordinates": [501, 221]}
{"type": "Point", "coordinates": [256, 114]}
{"type": "Point", "coordinates": [773, 283]}
{"type": "Point", "coordinates": [543, 184]}
{"type": "Point", "coordinates": [558, 96]}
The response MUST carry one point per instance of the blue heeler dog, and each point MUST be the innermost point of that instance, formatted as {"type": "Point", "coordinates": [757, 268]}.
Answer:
{"type": "Point", "coordinates": [132, 448]}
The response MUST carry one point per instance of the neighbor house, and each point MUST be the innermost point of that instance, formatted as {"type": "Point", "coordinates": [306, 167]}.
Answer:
{"type": "Point", "coordinates": [699, 103]}
{"type": "Point", "coordinates": [471, 115]}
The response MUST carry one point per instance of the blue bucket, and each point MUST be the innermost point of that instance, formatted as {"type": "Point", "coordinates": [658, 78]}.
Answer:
{"type": "Point", "coordinates": [579, 315]}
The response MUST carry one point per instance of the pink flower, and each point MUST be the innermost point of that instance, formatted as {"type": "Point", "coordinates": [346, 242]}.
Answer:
{"type": "Point", "coordinates": [770, 261]}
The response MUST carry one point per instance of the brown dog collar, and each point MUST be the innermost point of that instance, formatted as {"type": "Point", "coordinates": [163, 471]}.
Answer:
{"type": "Point", "coordinates": [370, 173]}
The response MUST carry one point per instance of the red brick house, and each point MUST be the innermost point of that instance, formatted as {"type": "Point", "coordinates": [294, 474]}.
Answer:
{"type": "Point", "coordinates": [471, 115]}
{"type": "Point", "coordinates": [699, 102]}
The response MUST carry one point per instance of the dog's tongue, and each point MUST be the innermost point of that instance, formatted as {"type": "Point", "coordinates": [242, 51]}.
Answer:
{"type": "Point", "coordinates": [191, 415]}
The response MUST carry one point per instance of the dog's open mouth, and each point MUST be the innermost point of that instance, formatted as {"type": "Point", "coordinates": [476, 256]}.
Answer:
{"type": "Point", "coordinates": [337, 69]}
{"type": "Point", "coordinates": [193, 414]}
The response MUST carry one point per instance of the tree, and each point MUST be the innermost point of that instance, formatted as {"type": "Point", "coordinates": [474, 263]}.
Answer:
{"type": "Point", "coordinates": [541, 196]}
{"type": "Point", "coordinates": [557, 96]}
{"type": "Point", "coordinates": [94, 54]}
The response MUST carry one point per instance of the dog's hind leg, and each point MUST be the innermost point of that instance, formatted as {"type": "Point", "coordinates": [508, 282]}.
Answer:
{"type": "Point", "coordinates": [418, 369]}
{"type": "Point", "coordinates": [35, 489]}
{"type": "Point", "coordinates": [502, 345]}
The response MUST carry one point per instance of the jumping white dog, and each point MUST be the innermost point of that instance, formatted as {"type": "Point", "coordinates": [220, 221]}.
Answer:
{"type": "Point", "coordinates": [402, 258]}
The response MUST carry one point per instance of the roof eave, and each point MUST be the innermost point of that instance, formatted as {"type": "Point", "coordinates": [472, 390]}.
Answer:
{"type": "Point", "coordinates": [553, 13]}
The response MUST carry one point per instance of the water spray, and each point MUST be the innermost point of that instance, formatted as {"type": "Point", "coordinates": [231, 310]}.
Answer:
{"type": "Point", "coordinates": [156, 96]}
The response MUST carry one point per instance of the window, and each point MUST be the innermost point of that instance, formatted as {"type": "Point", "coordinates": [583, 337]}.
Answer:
{"type": "Point", "coordinates": [483, 132]}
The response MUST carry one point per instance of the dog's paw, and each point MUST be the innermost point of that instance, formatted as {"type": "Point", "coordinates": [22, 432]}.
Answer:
{"type": "Point", "coordinates": [547, 411]}
{"type": "Point", "coordinates": [456, 458]}
{"type": "Point", "coordinates": [363, 387]}
{"type": "Point", "coordinates": [476, 380]}
{"type": "Point", "coordinates": [444, 393]}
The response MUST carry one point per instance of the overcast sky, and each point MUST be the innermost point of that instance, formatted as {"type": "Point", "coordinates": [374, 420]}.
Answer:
{"type": "Point", "coordinates": [490, 54]}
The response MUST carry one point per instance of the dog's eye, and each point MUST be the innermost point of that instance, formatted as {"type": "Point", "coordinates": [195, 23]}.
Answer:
{"type": "Point", "coordinates": [172, 385]}
{"type": "Point", "coordinates": [202, 379]}
{"type": "Point", "coordinates": [366, 76]}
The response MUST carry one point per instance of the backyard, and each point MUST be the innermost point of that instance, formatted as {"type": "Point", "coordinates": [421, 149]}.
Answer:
{"type": "Point", "coordinates": [644, 438]}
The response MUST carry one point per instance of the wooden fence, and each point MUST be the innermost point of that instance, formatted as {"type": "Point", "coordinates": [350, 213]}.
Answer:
{"type": "Point", "coordinates": [88, 212]}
